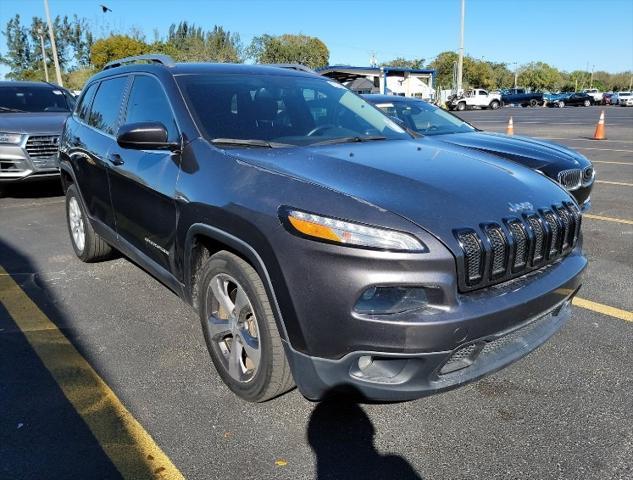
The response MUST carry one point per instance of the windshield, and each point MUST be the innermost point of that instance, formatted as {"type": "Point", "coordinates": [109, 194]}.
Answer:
{"type": "Point", "coordinates": [425, 118]}
{"type": "Point", "coordinates": [282, 110]}
{"type": "Point", "coordinates": [33, 99]}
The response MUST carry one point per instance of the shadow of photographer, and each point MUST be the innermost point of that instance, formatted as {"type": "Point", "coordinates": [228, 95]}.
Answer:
{"type": "Point", "coordinates": [342, 438]}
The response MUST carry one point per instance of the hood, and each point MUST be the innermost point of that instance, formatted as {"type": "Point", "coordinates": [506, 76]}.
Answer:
{"type": "Point", "coordinates": [437, 186]}
{"type": "Point", "coordinates": [38, 122]}
{"type": "Point", "coordinates": [548, 157]}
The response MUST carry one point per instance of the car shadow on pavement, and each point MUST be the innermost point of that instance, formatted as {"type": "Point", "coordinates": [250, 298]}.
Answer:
{"type": "Point", "coordinates": [41, 434]}
{"type": "Point", "coordinates": [40, 189]}
{"type": "Point", "coordinates": [342, 438]}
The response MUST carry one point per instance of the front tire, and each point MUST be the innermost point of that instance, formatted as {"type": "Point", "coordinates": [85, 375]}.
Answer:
{"type": "Point", "coordinates": [587, 103]}
{"type": "Point", "coordinates": [494, 104]}
{"type": "Point", "coordinates": [87, 244]}
{"type": "Point", "coordinates": [240, 330]}
{"type": "Point", "coordinates": [561, 104]}
{"type": "Point", "coordinates": [461, 106]}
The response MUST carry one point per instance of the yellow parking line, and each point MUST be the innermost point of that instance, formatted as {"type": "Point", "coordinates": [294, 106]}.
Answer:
{"type": "Point", "coordinates": [607, 219]}
{"type": "Point", "coordinates": [615, 183]}
{"type": "Point", "coordinates": [603, 309]}
{"type": "Point", "coordinates": [130, 448]}
{"type": "Point", "coordinates": [613, 163]}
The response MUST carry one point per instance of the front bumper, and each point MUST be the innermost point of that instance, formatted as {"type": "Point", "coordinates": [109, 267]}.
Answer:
{"type": "Point", "coordinates": [16, 164]}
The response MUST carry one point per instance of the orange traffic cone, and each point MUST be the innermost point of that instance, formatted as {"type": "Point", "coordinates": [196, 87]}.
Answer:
{"type": "Point", "coordinates": [510, 129]}
{"type": "Point", "coordinates": [600, 134]}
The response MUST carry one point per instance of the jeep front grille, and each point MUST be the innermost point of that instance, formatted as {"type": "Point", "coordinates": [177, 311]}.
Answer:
{"type": "Point", "coordinates": [501, 251]}
{"type": "Point", "coordinates": [570, 179]}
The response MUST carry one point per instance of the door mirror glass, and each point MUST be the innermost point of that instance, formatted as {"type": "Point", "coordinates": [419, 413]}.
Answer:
{"type": "Point", "coordinates": [145, 136]}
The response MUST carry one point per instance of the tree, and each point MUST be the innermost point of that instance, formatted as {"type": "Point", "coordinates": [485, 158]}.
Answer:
{"type": "Point", "coordinates": [19, 53]}
{"type": "Point", "coordinates": [186, 42]}
{"type": "Point", "coordinates": [539, 75]}
{"type": "Point", "coordinates": [288, 48]}
{"type": "Point", "coordinates": [401, 62]}
{"type": "Point", "coordinates": [114, 47]}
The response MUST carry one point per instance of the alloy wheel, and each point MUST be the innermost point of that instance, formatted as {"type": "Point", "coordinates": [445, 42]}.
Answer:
{"type": "Point", "coordinates": [75, 218]}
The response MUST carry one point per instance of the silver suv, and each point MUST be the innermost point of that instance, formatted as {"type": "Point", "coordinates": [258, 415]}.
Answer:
{"type": "Point", "coordinates": [32, 115]}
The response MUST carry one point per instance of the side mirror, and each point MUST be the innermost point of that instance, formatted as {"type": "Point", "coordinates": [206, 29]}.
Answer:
{"type": "Point", "coordinates": [145, 136]}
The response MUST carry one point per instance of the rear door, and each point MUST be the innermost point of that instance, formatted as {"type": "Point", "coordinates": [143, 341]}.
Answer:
{"type": "Point", "coordinates": [97, 121]}
{"type": "Point", "coordinates": [143, 182]}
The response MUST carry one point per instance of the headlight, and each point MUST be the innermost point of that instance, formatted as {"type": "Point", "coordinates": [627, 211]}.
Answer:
{"type": "Point", "coordinates": [10, 138]}
{"type": "Point", "coordinates": [353, 234]}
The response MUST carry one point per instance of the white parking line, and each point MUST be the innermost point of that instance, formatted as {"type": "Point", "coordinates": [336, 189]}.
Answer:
{"type": "Point", "coordinates": [613, 163]}
{"type": "Point", "coordinates": [585, 139]}
{"type": "Point", "coordinates": [624, 184]}
{"type": "Point", "coordinates": [604, 149]}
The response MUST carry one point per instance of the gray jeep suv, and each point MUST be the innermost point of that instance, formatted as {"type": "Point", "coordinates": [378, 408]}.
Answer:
{"type": "Point", "coordinates": [32, 115]}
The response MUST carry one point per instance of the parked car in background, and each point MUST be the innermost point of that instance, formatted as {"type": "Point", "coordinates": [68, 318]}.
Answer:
{"type": "Point", "coordinates": [563, 165]}
{"type": "Point", "coordinates": [595, 93]}
{"type": "Point", "coordinates": [625, 99]}
{"type": "Point", "coordinates": [522, 97]}
{"type": "Point", "coordinates": [319, 242]}
{"type": "Point", "coordinates": [475, 98]}
{"type": "Point", "coordinates": [32, 116]}
{"type": "Point", "coordinates": [606, 98]}
{"type": "Point", "coordinates": [554, 98]}
{"type": "Point", "coordinates": [576, 99]}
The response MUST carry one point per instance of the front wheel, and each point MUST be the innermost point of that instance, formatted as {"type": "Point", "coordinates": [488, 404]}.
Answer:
{"type": "Point", "coordinates": [240, 330]}
{"type": "Point", "coordinates": [461, 106]}
{"type": "Point", "coordinates": [533, 103]}
{"type": "Point", "coordinates": [87, 244]}
{"type": "Point", "coordinates": [561, 104]}
{"type": "Point", "coordinates": [587, 103]}
{"type": "Point", "coordinates": [494, 104]}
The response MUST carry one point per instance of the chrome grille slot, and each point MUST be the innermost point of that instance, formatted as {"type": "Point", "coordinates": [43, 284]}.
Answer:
{"type": "Point", "coordinates": [521, 246]}
{"type": "Point", "coordinates": [42, 146]}
{"type": "Point", "coordinates": [566, 223]}
{"type": "Point", "coordinates": [498, 243]}
{"type": "Point", "coordinates": [554, 228]}
{"type": "Point", "coordinates": [471, 245]}
{"type": "Point", "coordinates": [570, 179]}
{"type": "Point", "coordinates": [539, 238]}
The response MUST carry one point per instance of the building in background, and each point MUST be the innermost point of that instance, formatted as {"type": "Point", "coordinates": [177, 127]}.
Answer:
{"type": "Point", "coordinates": [405, 82]}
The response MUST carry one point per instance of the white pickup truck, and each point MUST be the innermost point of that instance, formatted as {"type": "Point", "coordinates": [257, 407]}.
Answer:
{"type": "Point", "coordinates": [476, 97]}
{"type": "Point", "coordinates": [595, 93]}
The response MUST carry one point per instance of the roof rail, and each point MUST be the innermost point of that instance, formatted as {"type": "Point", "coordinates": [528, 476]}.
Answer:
{"type": "Point", "coordinates": [165, 60]}
{"type": "Point", "coordinates": [291, 66]}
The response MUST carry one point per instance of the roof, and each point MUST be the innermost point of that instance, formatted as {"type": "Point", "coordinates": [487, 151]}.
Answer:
{"type": "Point", "coordinates": [374, 98]}
{"type": "Point", "coordinates": [24, 83]}
{"type": "Point", "coordinates": [344, 73]}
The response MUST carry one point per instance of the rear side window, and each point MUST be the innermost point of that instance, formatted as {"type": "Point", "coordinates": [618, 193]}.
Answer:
{"type": "Point", "coordinates": [83, 108]}
{"type": "Point", "coordinates": [106, 105]}
{"type": "Point", "coordinates": [147, 103]}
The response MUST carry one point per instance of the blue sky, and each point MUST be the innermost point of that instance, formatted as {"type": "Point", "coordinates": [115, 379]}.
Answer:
{"type": "Point", "coordinates": [569, 34]}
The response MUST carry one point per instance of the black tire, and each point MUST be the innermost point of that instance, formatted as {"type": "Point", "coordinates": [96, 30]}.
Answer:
{"type": "Point", "coordinates": [94, 247]}
{"type": "Point", "coordinates": [587, 103]}
{"type": "Point", "coordinates": [494, 104]}
{"type": "Point", "coordinates": [272, 376]}
{"type": "Point", "coordinates": [533, 103]}
{"type": "Point", "coordinates": [560, 104]}
{"type": "Point", "coordinates": [461, 106]}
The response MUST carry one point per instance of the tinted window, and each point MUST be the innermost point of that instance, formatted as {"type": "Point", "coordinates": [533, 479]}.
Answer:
{"type": "Point", "coordinates": [83, 109]}
{"type": "Point", "coordinates": [106, 105]}
{"type": "Point", "coordinates": [425, 118]}
{"type": "Point", "coordinates": [148, 103]}
{"type": "Point", "coordinates": [33, 99]}
{"type": "Point", "coordinates": [296, 110]}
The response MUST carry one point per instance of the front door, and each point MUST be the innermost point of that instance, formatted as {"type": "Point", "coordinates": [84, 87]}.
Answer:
{"type": "Point", "coordinates": [143, 182]}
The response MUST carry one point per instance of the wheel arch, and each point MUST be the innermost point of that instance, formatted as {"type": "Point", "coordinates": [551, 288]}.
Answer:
{"type": "Point", "coordinates": [204, 240]}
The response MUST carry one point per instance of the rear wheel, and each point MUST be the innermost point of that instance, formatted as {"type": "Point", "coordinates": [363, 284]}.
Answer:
{"type": "Point", "coordinates": [87, 244]}
{"type": "Point", "coordinates": [461, 106]}
{"type": "Point", "coordinates": [561, 104]}
{"type": "Point", "coordinates": [240, 329]}
{"type": "Point", "coordinates": [533, 102]}
{"type": "Point", "coordinates": [587, 103]}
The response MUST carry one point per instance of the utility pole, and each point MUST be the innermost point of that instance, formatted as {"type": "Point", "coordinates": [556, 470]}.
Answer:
{"type": "Point", "coordinates": [51, 34]}
{"type": "Point", "coordinates": [460, 62]}
{"type": "Point", "coordinates": [40, 33]}
{"type": "Point", "coordinates": [591, 79]}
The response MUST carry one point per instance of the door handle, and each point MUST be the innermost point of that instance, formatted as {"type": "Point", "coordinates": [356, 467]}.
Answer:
{"type": "Point", "coordinates": [115, 159]}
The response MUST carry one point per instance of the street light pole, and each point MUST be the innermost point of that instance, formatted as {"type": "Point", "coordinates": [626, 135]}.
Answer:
{"type": "Point", "coordinates": [40, 33]}
{"type": "Point", "coordinates": [51, 34]}
{"type": "Point", "coordinates": [460, 62]}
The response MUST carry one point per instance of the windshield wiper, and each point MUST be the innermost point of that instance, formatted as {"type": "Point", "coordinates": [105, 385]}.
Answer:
{"type": "Point", "coordinates": [14, 110]}
{"type": "Point", "coordinates": [366, 138]}
{"type": "Point", "coordinates": [248, 142]}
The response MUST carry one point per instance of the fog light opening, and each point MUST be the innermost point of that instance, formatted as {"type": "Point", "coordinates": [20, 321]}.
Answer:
{"type": "Point", "coordinates": [364, 362]}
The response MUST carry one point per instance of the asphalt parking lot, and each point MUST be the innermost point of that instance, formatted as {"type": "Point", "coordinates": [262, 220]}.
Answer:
{"type": "Point", "coordinates": [122, 386]}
